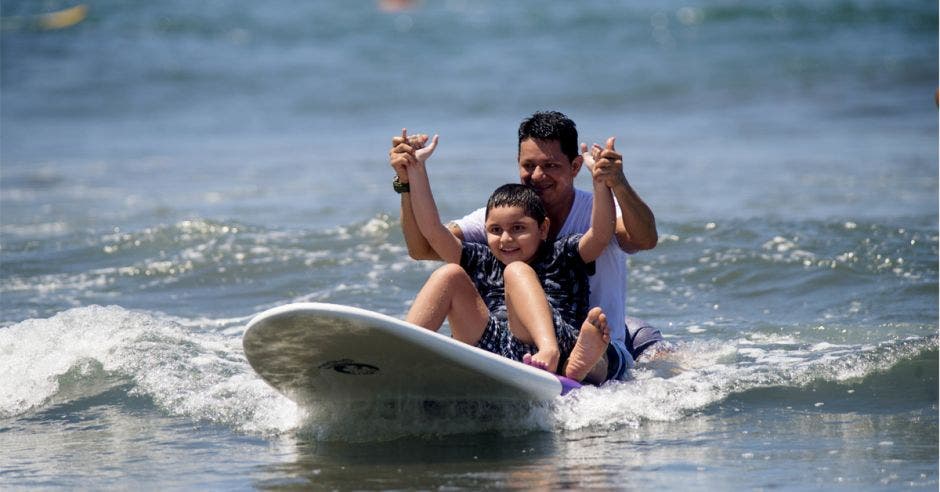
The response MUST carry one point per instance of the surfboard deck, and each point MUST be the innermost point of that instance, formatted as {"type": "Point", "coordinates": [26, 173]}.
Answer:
{"type": "Point", "coordinates": [317, 352]}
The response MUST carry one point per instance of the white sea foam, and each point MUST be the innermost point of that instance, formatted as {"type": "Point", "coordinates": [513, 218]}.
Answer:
{"type": "Point", "coordinates": [689, 377]}
{"type": "Point", "coordinates": [197, 369]}
{"type": "Point", "coordinates": [185, 371]}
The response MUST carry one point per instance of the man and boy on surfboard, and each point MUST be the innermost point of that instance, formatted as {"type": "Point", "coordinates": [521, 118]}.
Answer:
{"type": "Point", "coordinates": [538, 326]}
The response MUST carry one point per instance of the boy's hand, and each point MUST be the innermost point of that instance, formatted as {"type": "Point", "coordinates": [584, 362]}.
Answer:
{"type": "Point", "coordinates": [605, 163]}
{"type": "Point", "coordinates": [402, 153]}
{"type": "Point", "coordinates": [422, 154]}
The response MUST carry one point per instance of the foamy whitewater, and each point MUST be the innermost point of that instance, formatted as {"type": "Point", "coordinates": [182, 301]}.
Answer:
{"type": "Point", "coordinates": [169, 170]}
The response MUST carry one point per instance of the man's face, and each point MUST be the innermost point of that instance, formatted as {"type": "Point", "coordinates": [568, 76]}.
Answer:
{"type": "Point", "coordinates": [545, 168]}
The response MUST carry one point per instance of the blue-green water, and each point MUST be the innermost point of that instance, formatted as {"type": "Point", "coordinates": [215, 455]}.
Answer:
{"type": "Point", "coordinates": [169, 169]}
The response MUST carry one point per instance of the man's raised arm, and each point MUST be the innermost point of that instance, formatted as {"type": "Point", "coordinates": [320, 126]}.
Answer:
{"type": "Point", "coordinates": [636, 230]}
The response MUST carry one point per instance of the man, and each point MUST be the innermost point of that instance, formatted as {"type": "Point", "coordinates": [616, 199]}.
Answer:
{"type": "Point", "coordinates": [549, 161]}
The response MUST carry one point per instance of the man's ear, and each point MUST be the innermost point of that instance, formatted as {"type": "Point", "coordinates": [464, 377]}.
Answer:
{"type": "Point", "coordinates": [543, 228]}
{"type": "Point", "coordinates": [576, 165]}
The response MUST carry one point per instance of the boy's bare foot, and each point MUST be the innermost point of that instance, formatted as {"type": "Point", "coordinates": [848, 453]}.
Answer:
{"type": "Point", "coordinates": [527, 360]}
{"type": "Point", "coordinates": [546, 360]}
{"type": "Point", "coordinates": [590, 348]}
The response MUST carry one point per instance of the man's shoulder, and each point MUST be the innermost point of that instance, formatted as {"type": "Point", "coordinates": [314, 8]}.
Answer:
{"type": "Point", "coordinates": [471, 226]}
{"type": "Point", "coordinates": [582, 195]}
{"type": "Point", "coordinates": [584, 199]}
{"type": "Point", "coordinates": [579, 217]}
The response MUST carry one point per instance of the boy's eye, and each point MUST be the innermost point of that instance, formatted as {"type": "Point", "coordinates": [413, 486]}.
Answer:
{"type": "Point", "coordinates": [518, 228]}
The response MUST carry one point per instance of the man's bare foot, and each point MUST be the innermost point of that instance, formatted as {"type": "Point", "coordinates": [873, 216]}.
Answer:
{"type": "Point", "coordinates": [547, 360]}
{"type": "Point", "coordinates": [590, 348]}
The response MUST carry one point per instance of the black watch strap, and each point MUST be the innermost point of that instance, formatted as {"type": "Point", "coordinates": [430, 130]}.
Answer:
{"type": "Point", "coordinates": [400, 187]}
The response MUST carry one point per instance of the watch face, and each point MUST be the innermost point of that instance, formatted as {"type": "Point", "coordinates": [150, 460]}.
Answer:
{"type": "Point", "coordinates": [400, 187]}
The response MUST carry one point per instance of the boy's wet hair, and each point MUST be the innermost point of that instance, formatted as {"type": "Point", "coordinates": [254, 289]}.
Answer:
{"type": "Point", "coordinates": [517, 195]}
{"type": "Point", "coordinates": [551, 125]}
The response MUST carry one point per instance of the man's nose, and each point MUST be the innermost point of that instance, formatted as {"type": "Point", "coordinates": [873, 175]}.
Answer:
{"type": "Point", "coordinates": [537, 173]}
{"type": "Point", "coordinates": [505, 237]}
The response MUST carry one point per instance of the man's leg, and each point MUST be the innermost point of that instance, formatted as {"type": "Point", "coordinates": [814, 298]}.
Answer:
{"type": "Point", "coordinates": [450, 294]}
{"type": "Point", "coordinates": [618, 361]}
{"type": "Point", "coordinates": [641, 336]}
{"type": "Point", "coordinates": [530, 316]}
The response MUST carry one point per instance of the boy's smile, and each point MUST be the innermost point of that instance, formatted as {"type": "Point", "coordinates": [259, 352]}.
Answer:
{"type": "Point", "coordinates": [512, 235]}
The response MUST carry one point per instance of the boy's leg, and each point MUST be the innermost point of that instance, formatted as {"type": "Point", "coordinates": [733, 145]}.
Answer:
{"type": "Point", "coordinates": [530, 316]}
{"type": "Point", "coordinates": [586, 362]}
{"type": "Point", "coordinates": [450, 294]}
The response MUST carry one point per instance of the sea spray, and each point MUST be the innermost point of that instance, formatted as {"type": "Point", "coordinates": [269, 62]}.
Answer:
{"type": "Point", "coordinates": [689, 378]}
{"type": "Point", "coordinates": [82, 352]}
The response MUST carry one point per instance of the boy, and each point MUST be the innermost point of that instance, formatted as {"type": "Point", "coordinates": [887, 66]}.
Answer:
{"type": "Point", "coordinates": [518, 296]}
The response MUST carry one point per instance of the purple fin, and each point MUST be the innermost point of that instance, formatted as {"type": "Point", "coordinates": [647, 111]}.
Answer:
{"type": "Point", "coordinates": [567, 384]}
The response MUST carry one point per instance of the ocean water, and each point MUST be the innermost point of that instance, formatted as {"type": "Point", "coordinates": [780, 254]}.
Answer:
{"type": "Point", "coordinates": [169, 169]}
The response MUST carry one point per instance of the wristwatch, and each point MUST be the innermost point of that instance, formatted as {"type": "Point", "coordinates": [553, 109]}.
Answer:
{"type": "Point", "coordinates": [400, 187]}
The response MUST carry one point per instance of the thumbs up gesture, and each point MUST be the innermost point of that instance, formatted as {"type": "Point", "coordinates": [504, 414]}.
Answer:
{"type": "Point", "coordinates": [605, 163]}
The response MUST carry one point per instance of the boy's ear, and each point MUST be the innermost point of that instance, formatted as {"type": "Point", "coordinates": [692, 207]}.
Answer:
{"type": "Point", "coordinates": [543, 228]}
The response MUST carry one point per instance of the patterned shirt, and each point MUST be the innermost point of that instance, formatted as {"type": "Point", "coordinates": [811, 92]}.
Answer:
{"type": "Point", "coordinates": [561, 271]}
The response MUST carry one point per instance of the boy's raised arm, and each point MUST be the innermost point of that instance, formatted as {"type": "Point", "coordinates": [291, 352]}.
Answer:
{"type": "Point", "coordinates": [447, 247]}
{"type": "Point", "coordinates": [603, 215]}
{"type": "Point", "coordinates": [402, 155]}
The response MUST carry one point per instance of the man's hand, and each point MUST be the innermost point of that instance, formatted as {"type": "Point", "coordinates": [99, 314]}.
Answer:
{"type": "Point", "coordinates": [636, 228]}
{"type": "Point", "coordinates": [403, 151]}
{"type": "Point", "coordinates": [605, 163]}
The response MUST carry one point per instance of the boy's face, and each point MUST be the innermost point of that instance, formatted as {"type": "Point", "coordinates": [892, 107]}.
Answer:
{"type": "Point", "coordinates": [545, 168]}
{"type": "Point", "coordinates": [513, 236]}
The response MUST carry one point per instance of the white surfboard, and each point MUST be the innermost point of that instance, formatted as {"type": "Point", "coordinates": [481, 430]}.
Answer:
{"type": "Point", "coordinates": [314, 352]}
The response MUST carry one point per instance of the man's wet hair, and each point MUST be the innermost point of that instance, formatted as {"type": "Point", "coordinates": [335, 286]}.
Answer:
{"type": "Point", "coordinates": [518, 195]}
{"type": "Point", "coordinates": [551, 125]}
